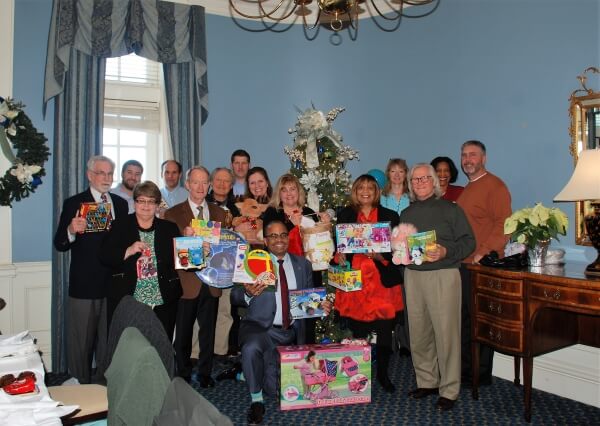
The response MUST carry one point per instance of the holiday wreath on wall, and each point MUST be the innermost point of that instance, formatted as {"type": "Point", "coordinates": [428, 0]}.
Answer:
{"type": "Point", "coordinates": [25, 148]}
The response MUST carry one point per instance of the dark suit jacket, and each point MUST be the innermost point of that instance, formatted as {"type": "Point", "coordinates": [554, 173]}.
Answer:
{"type": "Point", "coordinates": [261, 309]}
{"type": "Point", "coordinates": [87, 276]}
{"type": "Point", "coordinates": [124, 233]}
{"type": "Point", "coordinates": [181, 214]}
{"type": "Point", "coordinates": [390, 274]}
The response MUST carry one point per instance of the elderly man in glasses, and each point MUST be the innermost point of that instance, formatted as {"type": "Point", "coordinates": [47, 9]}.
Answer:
{"type": "Point", "coordinates": [267, 323]}
{"type": "Point", "coordinates": [433, 288]}
{"type": "Point", "coordinates": [88, 278]}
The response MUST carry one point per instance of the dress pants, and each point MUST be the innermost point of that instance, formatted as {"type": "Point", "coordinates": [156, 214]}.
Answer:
{"type": "Point", "coordinates": [202, 309]}
{"type": "Point", "coordinates": [260, 360]}
{"type": "Point", "coordinates": [224, 323]}
{"type": "Point", "coordinates": [434, 299]}
{"type": "Point", "coordinates": [86, 336]}
{"type": "Point", "coordinates": [486, 353]}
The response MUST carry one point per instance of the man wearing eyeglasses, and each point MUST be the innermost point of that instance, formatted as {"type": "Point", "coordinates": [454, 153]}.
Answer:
{"type": "Point", "coordinates": [88, 278]}
{"type": "Point", "coordinates": [265, 326]}
{"type": "Point", "coordinates": [433, 288]}
{"type": "Point", "coordinates": [199, 301]}
{"type": "Point", "coordinates": [486, 202]}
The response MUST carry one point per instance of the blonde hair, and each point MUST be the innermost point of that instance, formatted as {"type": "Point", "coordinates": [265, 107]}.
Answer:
{"type": "Point", "coordinates": [388, 183]}
{"type": "Point", "coordinates": [284, 180]}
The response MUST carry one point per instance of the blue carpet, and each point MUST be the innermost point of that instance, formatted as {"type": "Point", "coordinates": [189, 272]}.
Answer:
{"type": "Point", "coordinates": [499, 404]}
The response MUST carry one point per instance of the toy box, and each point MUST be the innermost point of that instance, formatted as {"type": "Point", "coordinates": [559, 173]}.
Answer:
{"type": "Point", "coordinates": [324, 375]}
{"type": "Point", "coordinates": [363, 237]}
{"type": "Point", "coordinates": [307, 303]}
{"type": "Point", "coordinates": [189, 253]}
{"type": "Point", "coordinates": [344, 278]}
{"type": "Point", "coordinates": [221, 260]}
{"type": "Point", "coordinates": [97, 215]}
{"type": "Point", "coordinates": [418, 244]}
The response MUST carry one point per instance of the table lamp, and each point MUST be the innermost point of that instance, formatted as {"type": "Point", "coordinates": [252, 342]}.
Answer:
{"type": "Point", "coordinates": [585, 185]}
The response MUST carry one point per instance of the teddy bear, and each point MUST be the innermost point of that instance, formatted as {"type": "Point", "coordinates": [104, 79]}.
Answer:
{"type": "Point", "coordinates": [249, 223]}
{"type": "Point", "coordinates": [399, 243]}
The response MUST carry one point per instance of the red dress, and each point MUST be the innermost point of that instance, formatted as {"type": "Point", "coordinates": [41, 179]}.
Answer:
{"type": "Point", "coordinates": [374, 301]}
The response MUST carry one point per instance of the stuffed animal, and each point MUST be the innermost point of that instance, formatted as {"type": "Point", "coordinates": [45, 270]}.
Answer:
{"type": "Point", "coordinates": [399, 243]}
{"type": "Point", "coordinates": [249, 223]}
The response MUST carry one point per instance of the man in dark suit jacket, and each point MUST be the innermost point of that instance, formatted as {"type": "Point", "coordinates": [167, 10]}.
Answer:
{"type": "Point", "coordinates": [199, 301]}
{"type": "Point", "coordinates": [263, 328]}
{"type": "Point", "coordinates": [88, 278]}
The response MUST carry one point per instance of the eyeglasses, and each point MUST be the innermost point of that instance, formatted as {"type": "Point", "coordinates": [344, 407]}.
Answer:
{"type": "Point", "coordinates": [422, 179]}
{"type": "Point", "coordinates": [282, 236]}
{"type": "Point", "coordinates": [146, 202]}
{"type": "Point", "coordinates": [102, 174]}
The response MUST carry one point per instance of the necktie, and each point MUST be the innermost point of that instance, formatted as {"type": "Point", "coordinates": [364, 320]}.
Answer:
{"type": "Point", "coordinates": [285, 298]}
{"type": "Point", "coordinates": [200, 213]}
{"type": "Point", "coordinates": [104, 199]}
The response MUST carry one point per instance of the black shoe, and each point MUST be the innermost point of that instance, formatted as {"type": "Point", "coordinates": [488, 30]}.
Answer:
{"type": "Point", "coordinates": [386, 384]}
{"type": "Point", "coordinates": [230, 373]}
{"type": "Point", "coordinates": [444, 404]}
{"type": "Point", "coordinates": [206, 382]}
{"type": "Point", "coordinates": [404, 352]}
{"type": "Point", "coordinates": [419, 393]}
{"type": "Point", "coordinates": [256, 413]}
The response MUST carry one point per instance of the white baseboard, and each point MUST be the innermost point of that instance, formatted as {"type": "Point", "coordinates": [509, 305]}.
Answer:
{"type": "Point", "coordinates": [573, 373]}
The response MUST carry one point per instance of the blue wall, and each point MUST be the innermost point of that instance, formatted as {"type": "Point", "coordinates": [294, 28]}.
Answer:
{"type": "Point", "coordinates": [496, 70]}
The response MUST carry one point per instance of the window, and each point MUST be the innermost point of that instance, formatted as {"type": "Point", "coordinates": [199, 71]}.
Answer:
{"type": "Point", "coordinates": [133, 126]}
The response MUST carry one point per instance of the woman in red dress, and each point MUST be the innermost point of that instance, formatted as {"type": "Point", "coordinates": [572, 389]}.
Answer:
{"type": "Point", "coordinates": [374, 308]}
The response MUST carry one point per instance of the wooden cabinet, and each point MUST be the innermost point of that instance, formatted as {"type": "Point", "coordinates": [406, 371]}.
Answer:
{"type": "Point", "coordinates": [531, 312]}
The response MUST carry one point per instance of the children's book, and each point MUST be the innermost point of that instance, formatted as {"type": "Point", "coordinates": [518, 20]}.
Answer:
{"type": "Point", "coordinates": [209, 230]}
{"type": "Point", "coordinates": [307, 303]}
{"type": "Point", "coordinates": [363, 237]}
{"type": "Point", "coordinates": [253, 267]}
{"type": "Point", "coordinates": [189, 253]}
{"type": "Point", "coordinates": [97, 216]}
{"type": "Point", "coordinates": [418, 244]}
{"type": "Point", "coordinates": [220, 264]}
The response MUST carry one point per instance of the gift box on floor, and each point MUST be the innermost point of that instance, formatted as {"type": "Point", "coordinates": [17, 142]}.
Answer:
{"type": "Point", "coordinates": [324, 375]}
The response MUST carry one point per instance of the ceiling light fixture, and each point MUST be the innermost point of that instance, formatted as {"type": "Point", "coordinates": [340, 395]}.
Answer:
{"type": "Point", "coordinates": [331, 14]}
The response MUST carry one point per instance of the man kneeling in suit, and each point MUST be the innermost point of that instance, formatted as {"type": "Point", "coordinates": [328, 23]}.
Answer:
{"type": "Point", "coordinates": [267, 323]}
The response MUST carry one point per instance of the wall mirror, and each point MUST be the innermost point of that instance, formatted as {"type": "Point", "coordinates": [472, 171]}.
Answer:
{"type": "Point", "coordinates": [584, 111]}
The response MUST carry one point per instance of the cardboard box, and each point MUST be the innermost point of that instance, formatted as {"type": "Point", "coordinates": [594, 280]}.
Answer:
{"type": "Point", "coordinates": [189, 253]}
{"type": "Point", "coordinates": [335, 374]}
{"type": "Point", "coordinates": [344, 279]}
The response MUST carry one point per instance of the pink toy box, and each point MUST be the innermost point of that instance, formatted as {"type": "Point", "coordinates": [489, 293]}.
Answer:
{"type": "Point", "coordinates": [324, 375]}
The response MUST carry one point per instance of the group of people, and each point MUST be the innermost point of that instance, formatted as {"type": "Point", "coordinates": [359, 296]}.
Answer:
{"type": "Point", "coordinates": [428, 305]}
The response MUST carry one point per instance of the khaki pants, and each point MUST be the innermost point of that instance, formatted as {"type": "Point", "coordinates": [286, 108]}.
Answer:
{"type": "Point", "coordinates": [433, 299]}
{"type": "Point", "coordinates": [224, 322]}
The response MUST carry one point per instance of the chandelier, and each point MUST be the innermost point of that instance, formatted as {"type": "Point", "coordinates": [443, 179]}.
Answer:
{"type": "Point", "coordinates": [332, 14]}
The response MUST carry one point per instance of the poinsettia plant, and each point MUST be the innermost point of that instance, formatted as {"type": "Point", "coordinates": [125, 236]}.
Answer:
{"type": "Point", "coordinates": [533, 224]}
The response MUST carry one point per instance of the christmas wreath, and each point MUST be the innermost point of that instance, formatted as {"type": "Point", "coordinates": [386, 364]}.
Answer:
{"type": "Point", "coordinates": [25, 148]}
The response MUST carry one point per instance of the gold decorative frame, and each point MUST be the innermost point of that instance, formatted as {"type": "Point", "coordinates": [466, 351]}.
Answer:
{"type": "Point", "coordinates": [581, 101]}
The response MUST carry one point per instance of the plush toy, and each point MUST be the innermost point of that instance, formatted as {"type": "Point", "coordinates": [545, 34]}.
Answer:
{"type": "Point", "coordinates": [399, 243]}
{"type": "Point", "coordinates": [249, 223]}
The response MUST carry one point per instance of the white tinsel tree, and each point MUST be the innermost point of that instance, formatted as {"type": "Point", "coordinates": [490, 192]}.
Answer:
{"type": "Point", "coordinates": [318, 158]}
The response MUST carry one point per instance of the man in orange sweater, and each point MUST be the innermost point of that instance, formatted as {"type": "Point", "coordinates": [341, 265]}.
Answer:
{"type": "Point", "coordinates": [486, 202]}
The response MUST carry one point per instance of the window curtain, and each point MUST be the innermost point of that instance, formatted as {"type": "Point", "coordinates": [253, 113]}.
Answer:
{"type": "Point", "coordinates": [83, 33]}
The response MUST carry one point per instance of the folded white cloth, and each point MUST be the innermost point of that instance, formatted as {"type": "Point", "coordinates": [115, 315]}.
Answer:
{"type": "Point", "coordinates": [17, 344]}
{"type": "Point", "coordinates": [45, 415]}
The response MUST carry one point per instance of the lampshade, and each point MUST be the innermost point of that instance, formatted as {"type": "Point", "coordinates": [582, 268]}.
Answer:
{"type": "Point", "coordinates": [585, 182]}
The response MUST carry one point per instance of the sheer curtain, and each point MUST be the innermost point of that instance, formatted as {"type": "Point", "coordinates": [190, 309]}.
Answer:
{"type": "Point", "coordinates": [82, 34]}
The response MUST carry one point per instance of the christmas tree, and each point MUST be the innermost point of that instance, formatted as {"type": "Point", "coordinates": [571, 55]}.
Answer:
{"type": "Point", "coordinates": [318, 159]}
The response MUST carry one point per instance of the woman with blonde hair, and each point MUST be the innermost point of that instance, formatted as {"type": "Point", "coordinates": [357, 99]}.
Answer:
{"type": "Point", "coordinates": [288, 206]}
{"type": "Point", "coordinates": [394, 194]}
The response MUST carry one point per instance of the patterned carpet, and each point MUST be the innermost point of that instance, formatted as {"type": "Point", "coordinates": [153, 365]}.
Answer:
{"type": "Point", "coordinates": [499, 404]}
